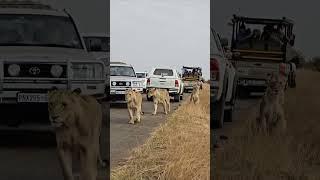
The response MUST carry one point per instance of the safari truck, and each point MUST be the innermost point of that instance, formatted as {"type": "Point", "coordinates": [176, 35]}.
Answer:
{"type": "Point", "coordinates": [259, 47]}
{"type": "Point", "coordinates": [190, 76]}
{"type": "Point", "coordinates": [41, 49]}
{"type": "Point", "coordinates": [122, 78]}
{"type": "Point", "coordinates": [223, 82]}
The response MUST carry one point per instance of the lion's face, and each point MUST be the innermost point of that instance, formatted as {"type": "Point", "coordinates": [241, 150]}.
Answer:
{"type": "Point", "coordinates": [130, 95]}
{"type": "Point", "coordinates": [60, 107]}
{"type": "Point", "coordinates": [152, 92]}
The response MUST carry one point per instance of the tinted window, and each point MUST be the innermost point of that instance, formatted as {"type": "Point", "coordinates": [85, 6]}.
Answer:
{"type": "Point", "coordinates": [98, 44]}
{"type": "Point", "coordinates": [141, 75]}
{"type": "Point", "coordinates": [164, 72]}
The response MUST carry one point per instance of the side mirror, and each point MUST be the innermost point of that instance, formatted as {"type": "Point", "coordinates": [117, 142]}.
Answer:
{"type": "Point", "coordinates": [224, 42]}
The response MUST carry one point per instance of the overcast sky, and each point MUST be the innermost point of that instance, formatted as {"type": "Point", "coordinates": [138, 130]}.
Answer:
{"type": "Point", "coordinates": [152, 33]}
{"type": "Point", "coordinates": [306, 15]}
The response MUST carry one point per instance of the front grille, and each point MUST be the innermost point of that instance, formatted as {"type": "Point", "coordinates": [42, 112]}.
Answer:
{"type": "Point", "coordinates": [30, 70]}
{"type": "Point", "coordinates": [121, 83]}
{"type": "Point", "coordinates": [118, 97]}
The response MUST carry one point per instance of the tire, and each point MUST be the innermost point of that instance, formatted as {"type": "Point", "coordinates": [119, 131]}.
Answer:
{"type": "Point", "coordinates": [217, 112]}
{"type": "Point", "coordinates": [176, 98]}
{"type": "Point", "coordinates": [181, 96]}
{"type": "Point", "coordinates": [149, 98]}
{"type": "Point", "coordinates": [229, 113]}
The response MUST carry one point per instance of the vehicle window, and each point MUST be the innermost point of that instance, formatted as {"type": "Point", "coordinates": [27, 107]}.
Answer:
{"type": "Point", "coordinates": [98, 44]}
{"type": "Point", "coordinates": [122, 71]}
{"type": "Point", "coordinates": [141, 75]}
{"type": "Point", "coordinates": [38, 30]}
{"type": "Point", "coordinates": [215, 47]}
{"type": "Point", "coordinates": [164, 72]}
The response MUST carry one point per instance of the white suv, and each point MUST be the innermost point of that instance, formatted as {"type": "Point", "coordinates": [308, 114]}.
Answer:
{"type": "Point", "coordinates": [122, 77]}
{"type": "Point", "coordinates": [41, 49]}
{"type": "Point", "coordinates": [166, 78]}
{"type": "Point", "coordinates": [142, 76]}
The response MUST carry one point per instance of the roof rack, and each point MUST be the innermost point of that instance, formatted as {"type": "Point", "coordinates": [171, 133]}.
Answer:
{"type": "Point", "coordinates": [24, 4]}
{"type": "Point", "coordinates": [250, 20]}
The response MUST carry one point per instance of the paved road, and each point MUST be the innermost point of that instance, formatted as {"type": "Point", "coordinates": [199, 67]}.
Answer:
{"type": "Point", "coordinates": [32, 155]}
{"type": "Point", "coordinates": [124, 137]}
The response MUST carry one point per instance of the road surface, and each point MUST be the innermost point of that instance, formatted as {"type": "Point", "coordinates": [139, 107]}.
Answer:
{"type": "Point", "coordinates": [32, 155]}
{"type": "Point", "coordinates": [124, 137]}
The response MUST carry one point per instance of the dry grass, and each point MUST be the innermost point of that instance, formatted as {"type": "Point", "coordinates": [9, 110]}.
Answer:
{"type": "Point", "coordinates": [297, 155]}
{"type": "Point", "coordinates": [179, 149]}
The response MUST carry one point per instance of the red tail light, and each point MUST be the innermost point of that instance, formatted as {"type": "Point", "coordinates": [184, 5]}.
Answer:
{"type": "Point", "coordinates": [282, 69]}
{"type": "Point", "coordinates": [176, 83]}
{"type": "Point", "coordinates": [148, 81]}
{"type": "Point", "coordinates": [214, 69]}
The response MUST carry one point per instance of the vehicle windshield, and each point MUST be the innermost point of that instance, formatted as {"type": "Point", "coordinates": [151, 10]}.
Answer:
{"type": "Point", "coordinates": [164, 72]}
{"type": "Point", "coordinates": [38, 30]}
{"type": "Point", "coordinates": [141, 75]}
{"type": "Point", "coordinates": [122, 71]}
{"type": "Point", "coordinates": [97, 44]}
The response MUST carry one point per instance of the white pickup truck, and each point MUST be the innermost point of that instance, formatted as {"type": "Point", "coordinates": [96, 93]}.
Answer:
{"type": "Point", "coordinates": [223, 82]}
{"type": "Point", "coordinates": [122, 77]}
{"type": "Point", "coordinates": [166, 78]}
{"type": "Point", "coordinates": [142, 76]}
{"type": "Point", "coordinates": [41, 49]}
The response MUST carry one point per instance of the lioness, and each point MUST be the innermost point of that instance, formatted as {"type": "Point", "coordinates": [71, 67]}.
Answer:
{"type": "Point", "coordinates": [160, 96]}
{"type": "Point", "coordinates": [134, 104]}
{"type": "Point", "coordinates": [195, 94]}
{"type": "Point", "coordinates": [271, 113]}
{"type": "Point", "coordinates": [77, 120]}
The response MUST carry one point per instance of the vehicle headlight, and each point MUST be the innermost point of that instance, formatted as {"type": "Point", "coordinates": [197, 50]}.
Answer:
{"type": "Point", "coordinates": [127, 83]}
{"type": "Point", "coordinates": [136, 84]}
{"type": "Point", "coordinates": [56, 71]}
{"type": "Point", "coordinates": [88, 71]}
{"type": "Point", "coordinates": [114, 83]}
{"type": "Point", "coordinates": [14, 70]}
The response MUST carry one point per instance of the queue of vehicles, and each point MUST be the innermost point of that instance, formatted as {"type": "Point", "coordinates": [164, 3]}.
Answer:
{"type": "Point", "coordinates": [245, 66]}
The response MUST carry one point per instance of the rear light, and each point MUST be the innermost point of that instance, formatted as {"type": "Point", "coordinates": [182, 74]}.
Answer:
{"type": "Point", "coordinates": [282, 69]}
{"type": "Point", "coordinates": [214, 69]}
{"type": "Point", "coordinates": [148, 81]}
{"type": "Point", "coordinates": [176, 83]}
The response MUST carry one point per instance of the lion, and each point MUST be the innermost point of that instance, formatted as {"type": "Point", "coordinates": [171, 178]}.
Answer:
{"type": "Point", "coordinates": [195, 94]}
{"type": "Point", "coordinates": [160, 96]}
{"type": "Point", "coordinates": [200, 84]}
{"type": "Point", "coordinates": [271, 113]}
{"type": "Point", "coordinates": [77, 120]}
{"type": "Point", "coordinates": [134, 104]}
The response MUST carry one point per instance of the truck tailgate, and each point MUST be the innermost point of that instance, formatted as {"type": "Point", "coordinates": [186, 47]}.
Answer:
{"type": "Point", "coordinates": [256, 69]}
{"type": "Point", "coordinates": [162, 81]}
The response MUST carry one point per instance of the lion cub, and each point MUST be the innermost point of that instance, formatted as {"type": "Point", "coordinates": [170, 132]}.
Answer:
{"type": "Point", "coordinates": [160, 96]}
{"type": "Point", "coordinates": [271, 114]}
{"type": "Point", "coordinates": [195, 94]}
{"type": "Point", "coordinates": [134, 104]}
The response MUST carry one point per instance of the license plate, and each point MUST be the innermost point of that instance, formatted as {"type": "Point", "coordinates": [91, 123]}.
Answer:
{"type": "Point", "coordinates": [120, 92]}
{"type": "Point", "coordinates": [112, 92]}
{"type": "Point", "coordinates": [32, 97]}
{"type": "Point", "coordinates": [256, 82]}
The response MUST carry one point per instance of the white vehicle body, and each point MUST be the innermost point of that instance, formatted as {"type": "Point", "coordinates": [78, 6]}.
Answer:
{"type": "Point", "coordinates": [142, 76]}
{"type": "Point", "coordinates": [223, 82]}
{"type": "Point", "coordinates": [31, 63]}
{"type": "Point", "coordinates": [122, 78]}
{"type": "Point", "coordinates": [166, 78]}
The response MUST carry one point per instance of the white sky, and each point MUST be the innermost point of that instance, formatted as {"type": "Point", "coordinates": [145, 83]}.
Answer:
{"type": "Point", "coordinates": [152, 33]}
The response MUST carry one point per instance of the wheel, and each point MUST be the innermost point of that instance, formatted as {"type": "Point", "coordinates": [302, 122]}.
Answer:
{"type": "Point", "coordinates": [217, 113]}
{"type": "Point", "coordinates": [149, 98]}
{"type": "Point", "coordinates": [176, 98]}
{"type": "Point", "coordinates": [181, 96]}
